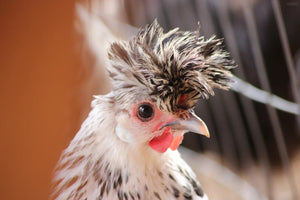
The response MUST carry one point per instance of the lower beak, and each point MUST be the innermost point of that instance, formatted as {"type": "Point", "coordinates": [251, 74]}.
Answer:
{"type": "Point", "coordinates": [192, 124]}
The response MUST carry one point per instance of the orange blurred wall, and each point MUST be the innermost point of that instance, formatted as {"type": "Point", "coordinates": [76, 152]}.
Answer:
{"type": "Point", "coordinates": [42, 93]}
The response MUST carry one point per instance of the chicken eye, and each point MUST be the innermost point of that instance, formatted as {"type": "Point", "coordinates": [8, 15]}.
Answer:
{"type": "Point", "coordinates": [145, 112]}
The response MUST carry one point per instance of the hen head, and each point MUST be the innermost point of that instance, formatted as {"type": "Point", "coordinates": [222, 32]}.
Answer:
{"type": "Point", "coordinates": [157, 79]}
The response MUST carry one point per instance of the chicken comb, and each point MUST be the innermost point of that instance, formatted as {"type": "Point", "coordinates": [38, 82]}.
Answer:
{"type": "Point", "coordinates": [176, 68]}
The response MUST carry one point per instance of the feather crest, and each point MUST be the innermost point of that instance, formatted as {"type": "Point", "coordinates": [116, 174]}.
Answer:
{"type": "Point", "coordinates": [170, 65]}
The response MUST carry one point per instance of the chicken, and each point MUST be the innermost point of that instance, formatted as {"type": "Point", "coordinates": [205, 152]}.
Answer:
{"type": "Point", "coordinates": [127, 147]}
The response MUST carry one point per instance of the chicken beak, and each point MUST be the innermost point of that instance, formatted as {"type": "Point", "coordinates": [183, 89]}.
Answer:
{"type": "Point", "coordinates": [192, 124]}
{"type": "Point", "coordinates": [172, 132]}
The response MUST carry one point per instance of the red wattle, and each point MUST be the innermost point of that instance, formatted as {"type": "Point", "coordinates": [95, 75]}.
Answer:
{"type": "Point", "coordinates": [176, 142]}
{"type": "Point", "coordinates": [161, 143]}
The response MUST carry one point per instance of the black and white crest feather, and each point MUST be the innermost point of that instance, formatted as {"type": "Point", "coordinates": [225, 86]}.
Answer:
{"type": "Point", "coordinates": [170, 65]}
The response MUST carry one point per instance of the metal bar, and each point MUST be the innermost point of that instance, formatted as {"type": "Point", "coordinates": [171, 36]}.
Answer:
{"type": "Point", "coordinates": [203, 11]}
{"type": "Point", "coordinates": [228, 147]}
{"type": "Point", "coordinates": [247, 105]}
{"type": "Point", "coordinates": [237, 128]}
{"type": "Point", "coordinates": [264, 97]}
{"type": "Point", "coordinates": [202, 110]}
{"type": "Point", "coordinates": [287, 53]}
{"type": "Point", "coordinates": [218, 112]}
{"type": "Point", "coordinates": [260, 66]}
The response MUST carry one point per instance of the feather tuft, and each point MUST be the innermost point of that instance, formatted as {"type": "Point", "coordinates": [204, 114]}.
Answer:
{"type": "Point", "coordinates": [170, 65]}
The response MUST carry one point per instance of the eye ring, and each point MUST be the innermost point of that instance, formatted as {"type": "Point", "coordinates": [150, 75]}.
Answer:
{"type": "Point", "coordinates": [145, 112]}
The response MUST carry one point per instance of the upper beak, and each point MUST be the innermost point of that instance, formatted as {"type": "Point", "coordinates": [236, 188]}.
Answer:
{"type": "Point", "coordinates": [192, 124]}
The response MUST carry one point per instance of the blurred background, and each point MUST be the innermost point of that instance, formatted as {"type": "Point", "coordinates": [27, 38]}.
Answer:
{"type": "Point", "coordinates": [45, 92]}
{"type": "Point", "coordinates": [52, 55]}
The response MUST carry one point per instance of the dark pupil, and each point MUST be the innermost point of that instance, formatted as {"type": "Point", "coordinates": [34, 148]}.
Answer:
{"type": "Point", "coordinates": [145, 112]}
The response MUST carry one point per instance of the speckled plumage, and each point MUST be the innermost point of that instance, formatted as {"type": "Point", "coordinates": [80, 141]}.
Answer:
{"type": "Point", "coordinates": [160, 67]}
